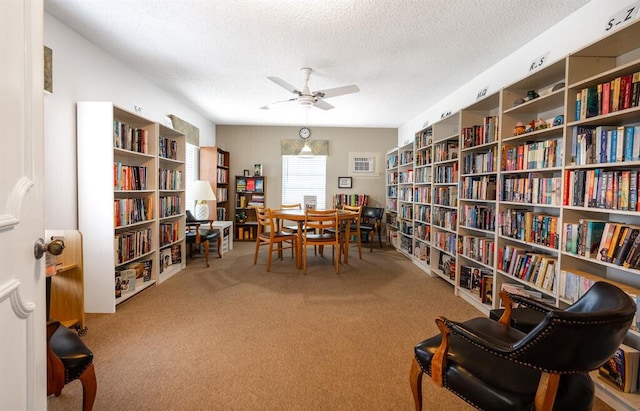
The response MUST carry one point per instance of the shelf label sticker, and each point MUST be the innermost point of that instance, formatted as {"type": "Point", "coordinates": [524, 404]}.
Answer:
{"type": "Point", "coordinates": [622, 17]}
{"type": "Point", "coordinates": [445, 114]}
{"type": "Point", "coordinates": [482, 92]}
{"type": "Point", "coordinates": [538, 62]}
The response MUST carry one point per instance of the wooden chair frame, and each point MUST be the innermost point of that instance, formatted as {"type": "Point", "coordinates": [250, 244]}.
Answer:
{"type": "Point", "coordinates": [269, 234]}
{"type": "Point", "coordinates": [319, 224]}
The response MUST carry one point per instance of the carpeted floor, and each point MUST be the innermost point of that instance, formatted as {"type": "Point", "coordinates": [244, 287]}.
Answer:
{"type": "Point", "coordinates": [234, 337]}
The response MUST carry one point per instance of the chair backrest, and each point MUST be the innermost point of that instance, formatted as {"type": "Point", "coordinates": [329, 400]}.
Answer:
{"type": "Point", "coordinates": [265, 220]}
{"type": "Point", "coordinates": [296, 206]}
{"type": "Point", "coordinates": [581, 337]}
{"type": "Point", "coordinates": [320, 220]}
{"type": "Point", "coordinates": [354, 209]}
{"type": "Point", "coordinates": [375, 213]}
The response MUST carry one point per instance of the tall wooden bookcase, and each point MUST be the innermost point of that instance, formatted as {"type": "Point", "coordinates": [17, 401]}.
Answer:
{"type": "Point", "coordinates": [250, 193]}
{"type": "Point", "coordinates": [130, 202]}
{"type": "Point", "coordinates": [537, 177]}
{"type": "Point", "coordinates": [214, 168]}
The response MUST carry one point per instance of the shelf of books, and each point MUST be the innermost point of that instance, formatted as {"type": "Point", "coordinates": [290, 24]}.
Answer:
{"type": "Point", "coordinates": [391, 197]}
{"type": "Point", "coordinates": [249, 194]}
{"type": "Point", "coordinates": [530, 184]}
{"type": "Point", "coordinates": [423, 190]}
{"type": "Point", "coordinates": [444, 208]}
{"type": "Point", "coordinates": [601, 216]}
{"type": "Point", "coordinates": [171, 202]}
{"type": "Point", "coordinates": [479, 137]}
{"type": "Point", "coordinates": [119, 176]}
{"type": "Point", "coordinates": [214, 168]}
{"type": "Point", "coordinates": [405, 199]}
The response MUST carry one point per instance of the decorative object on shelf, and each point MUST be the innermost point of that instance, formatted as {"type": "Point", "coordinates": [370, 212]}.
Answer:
{"type": "Point", "coordinates": [247, 173]}
{"type": "Point", "coordinates": [202, 193]}
{"type": "Point", "coordinates": [241, 217]}
{"type": "Point", "coordinates": [531, 94]}
{"type": "Point", "coordinates": [541, 124]}
{"type": "Point", "coordinates": [257, 169]}
{"type": "Point", "coordinates": [519, 128]}
{"type": "Point", "coordinates": [517, 102]}
{"type": "Point", "coordinates": [558, 86]}
{"type": "Point", "coordinates": [558, 120]}
{"type": "Point", "coordinates": [344, 182]}
{"type": "Point", "coordinates": [530, 127]}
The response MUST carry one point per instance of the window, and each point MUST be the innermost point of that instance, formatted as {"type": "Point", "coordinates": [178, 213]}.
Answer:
{"type": "Point", "coordinates": [304, 176]}
{"type": "Point", "coordinates": [191, 174]}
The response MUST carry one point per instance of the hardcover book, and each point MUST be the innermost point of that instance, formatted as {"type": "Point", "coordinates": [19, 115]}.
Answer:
{"type": "Point", "coordinates": [621, 370]}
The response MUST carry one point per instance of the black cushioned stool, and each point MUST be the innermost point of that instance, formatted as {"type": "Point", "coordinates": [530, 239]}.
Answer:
{"type": "Point", "coordinates": [523, 319]}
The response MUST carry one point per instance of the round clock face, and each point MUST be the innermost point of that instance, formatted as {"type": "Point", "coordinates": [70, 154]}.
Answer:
{"type": "Point", "coordinates": [305, 133]}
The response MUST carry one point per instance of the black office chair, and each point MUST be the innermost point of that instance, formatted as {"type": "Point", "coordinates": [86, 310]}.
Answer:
{"type": "Point", "coordinates": [493, 366]}
{"type": "Point", "coordinates": [371, 223]}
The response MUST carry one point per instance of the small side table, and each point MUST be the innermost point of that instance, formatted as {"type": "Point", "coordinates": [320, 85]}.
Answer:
{"type": "Point", "coordinates": [226, 234]}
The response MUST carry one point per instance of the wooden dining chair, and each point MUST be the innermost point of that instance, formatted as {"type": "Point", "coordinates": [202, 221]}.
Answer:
{"type": "Point", "coordinates": [289, 227]}
{"type": "Point", "coordinates": [354, 228]}
{"type": "Point", "coordinates": [270, 235]}
{"type": "Point", "coordinates": [321, 228]}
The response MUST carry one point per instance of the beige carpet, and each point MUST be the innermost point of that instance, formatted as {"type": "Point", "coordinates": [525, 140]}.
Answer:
{"type": "Point", "coordinates": [234, 337]}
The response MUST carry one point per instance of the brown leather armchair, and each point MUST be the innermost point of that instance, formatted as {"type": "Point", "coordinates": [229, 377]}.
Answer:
{"type": "Point", "coordinates": [69, 359]}
{"type": "Point", "coordinates": [493, 366]}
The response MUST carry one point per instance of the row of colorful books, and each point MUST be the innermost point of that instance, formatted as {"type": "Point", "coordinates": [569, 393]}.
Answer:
{"type": "Point", "coordinates": [484, 133]}
{"type": "Point", "coordinates": [445, 218]}
{"type": "Point", "coordinates": [446, 174]}
{"type": "Point", "coordinates": [127, 277]}
{"type": "Point", "coordinates": [446, 196]}
{"type": "Point", "coordinates": [170, 206]}
{"type": "Point", "coordinates": [480, 162]}
{"type": "Point", "coordinates": [529, 226]}
{"type": "Point", "coordinates": [128, 211]}
{"type": "Point", "coordinates": [599, 188]}
{"type": "Point", "coordinates": [532, 156]}
{"type": "Point", "coordinates": [479, 187]}
{"type": "Point", "coordinates": [480, 249]}
{"type": "Point", "coordinates": [422, 195]}
{"type": "Point", "coordinates": [614, 243]}
{"type": "Point", "coordinates": [532, 189]}
{"type": "Point", "coordinates": [482, 217]}
{"type": "Point", "coordinates": [130, 138]}
{"type": "Point", "coordinates": [445, 151]}
{"type": "Point", "coordinates": [131, 245]}
{"type": "Point", "coordinates": [620, 93]}
{"type": "Point", "coordinates": [170, 179]}
{"type": "Point", "coordinates": [605, 144]}
{"type": "Point", "coordinates": [168, 148]}
{"type": "Point", "coordinates": [126, 177]}
{"type": "Point", "coordinates": [479, 280]}
{"type": "Point", "coordinates": [535, 268]}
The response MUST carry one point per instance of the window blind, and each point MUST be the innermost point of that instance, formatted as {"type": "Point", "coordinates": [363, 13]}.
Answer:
{"type": "Point", "coordinates": [304, 176]}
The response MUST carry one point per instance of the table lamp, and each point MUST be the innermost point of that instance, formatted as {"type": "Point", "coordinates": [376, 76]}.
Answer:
{"type": "Point", "coordinates": [202, 192]}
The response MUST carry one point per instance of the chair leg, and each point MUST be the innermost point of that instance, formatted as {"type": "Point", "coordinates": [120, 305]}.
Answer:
{"type": "Point", "coordinates": [415, 378]}
{"type": "Point", "coordinates": [380, 237]}
{"type": "Point", "coordinates": [269, 255]}
{"type": "Point", "coordinates": [255, 255]}
{"type": "Point", "coordinates": [206, 251]}
{"type": "Point", "coordinates": [89, 388]}
{"type": "Point", "coordinates": [372, 238]}
{"type": "Point", "coordinates": [546, 392]}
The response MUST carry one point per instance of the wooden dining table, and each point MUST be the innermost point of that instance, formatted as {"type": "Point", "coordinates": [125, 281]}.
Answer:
{"type": "Point", "coordinates": [298, 216]}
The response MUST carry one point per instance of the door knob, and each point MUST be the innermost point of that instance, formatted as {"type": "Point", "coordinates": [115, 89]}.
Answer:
{"type": "Point", "coordinates": [54, 247]}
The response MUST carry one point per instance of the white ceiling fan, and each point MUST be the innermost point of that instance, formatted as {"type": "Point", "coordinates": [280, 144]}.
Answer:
{"type": "Point", "coordinates": [307, 98]}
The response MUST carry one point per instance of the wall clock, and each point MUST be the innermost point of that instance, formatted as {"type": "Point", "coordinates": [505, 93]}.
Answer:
{"type": "Point", "coordinates": [304, 133]}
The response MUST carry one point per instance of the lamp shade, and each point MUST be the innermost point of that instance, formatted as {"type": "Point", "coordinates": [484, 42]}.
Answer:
{"type": "Point", "coordinates": [202, 192]}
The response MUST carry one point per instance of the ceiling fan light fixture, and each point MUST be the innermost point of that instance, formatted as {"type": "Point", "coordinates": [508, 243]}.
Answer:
{"type": "Point", "coordinates": [306, 150]}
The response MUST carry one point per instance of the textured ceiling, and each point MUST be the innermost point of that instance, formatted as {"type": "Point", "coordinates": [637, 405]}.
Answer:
{"type": "Point", "coordinates": [405, 55]}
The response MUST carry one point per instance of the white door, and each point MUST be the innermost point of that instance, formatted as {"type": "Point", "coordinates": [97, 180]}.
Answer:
{"type": "Point", "coordinates": [22, 284]}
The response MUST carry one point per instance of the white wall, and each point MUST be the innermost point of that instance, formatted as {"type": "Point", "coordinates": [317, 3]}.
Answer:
{"type": "Point", "coordinates": [583, 27]}
{"type": "Point", "coordinates": [83, 72]}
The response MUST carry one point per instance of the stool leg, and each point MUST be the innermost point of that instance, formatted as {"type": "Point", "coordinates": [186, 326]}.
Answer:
{"type": "Point", "coordinates": [206, 251]}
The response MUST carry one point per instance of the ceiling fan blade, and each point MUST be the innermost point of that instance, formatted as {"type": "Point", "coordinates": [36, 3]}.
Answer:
{"type": "Point", "coordinates": [323, 105]}
{"type": "Point", "coordinates": [268, 106]}
{"type": "Point", "coordinates": [337, 91]}
{"type": "Point", "coordinates": [285, 85]}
